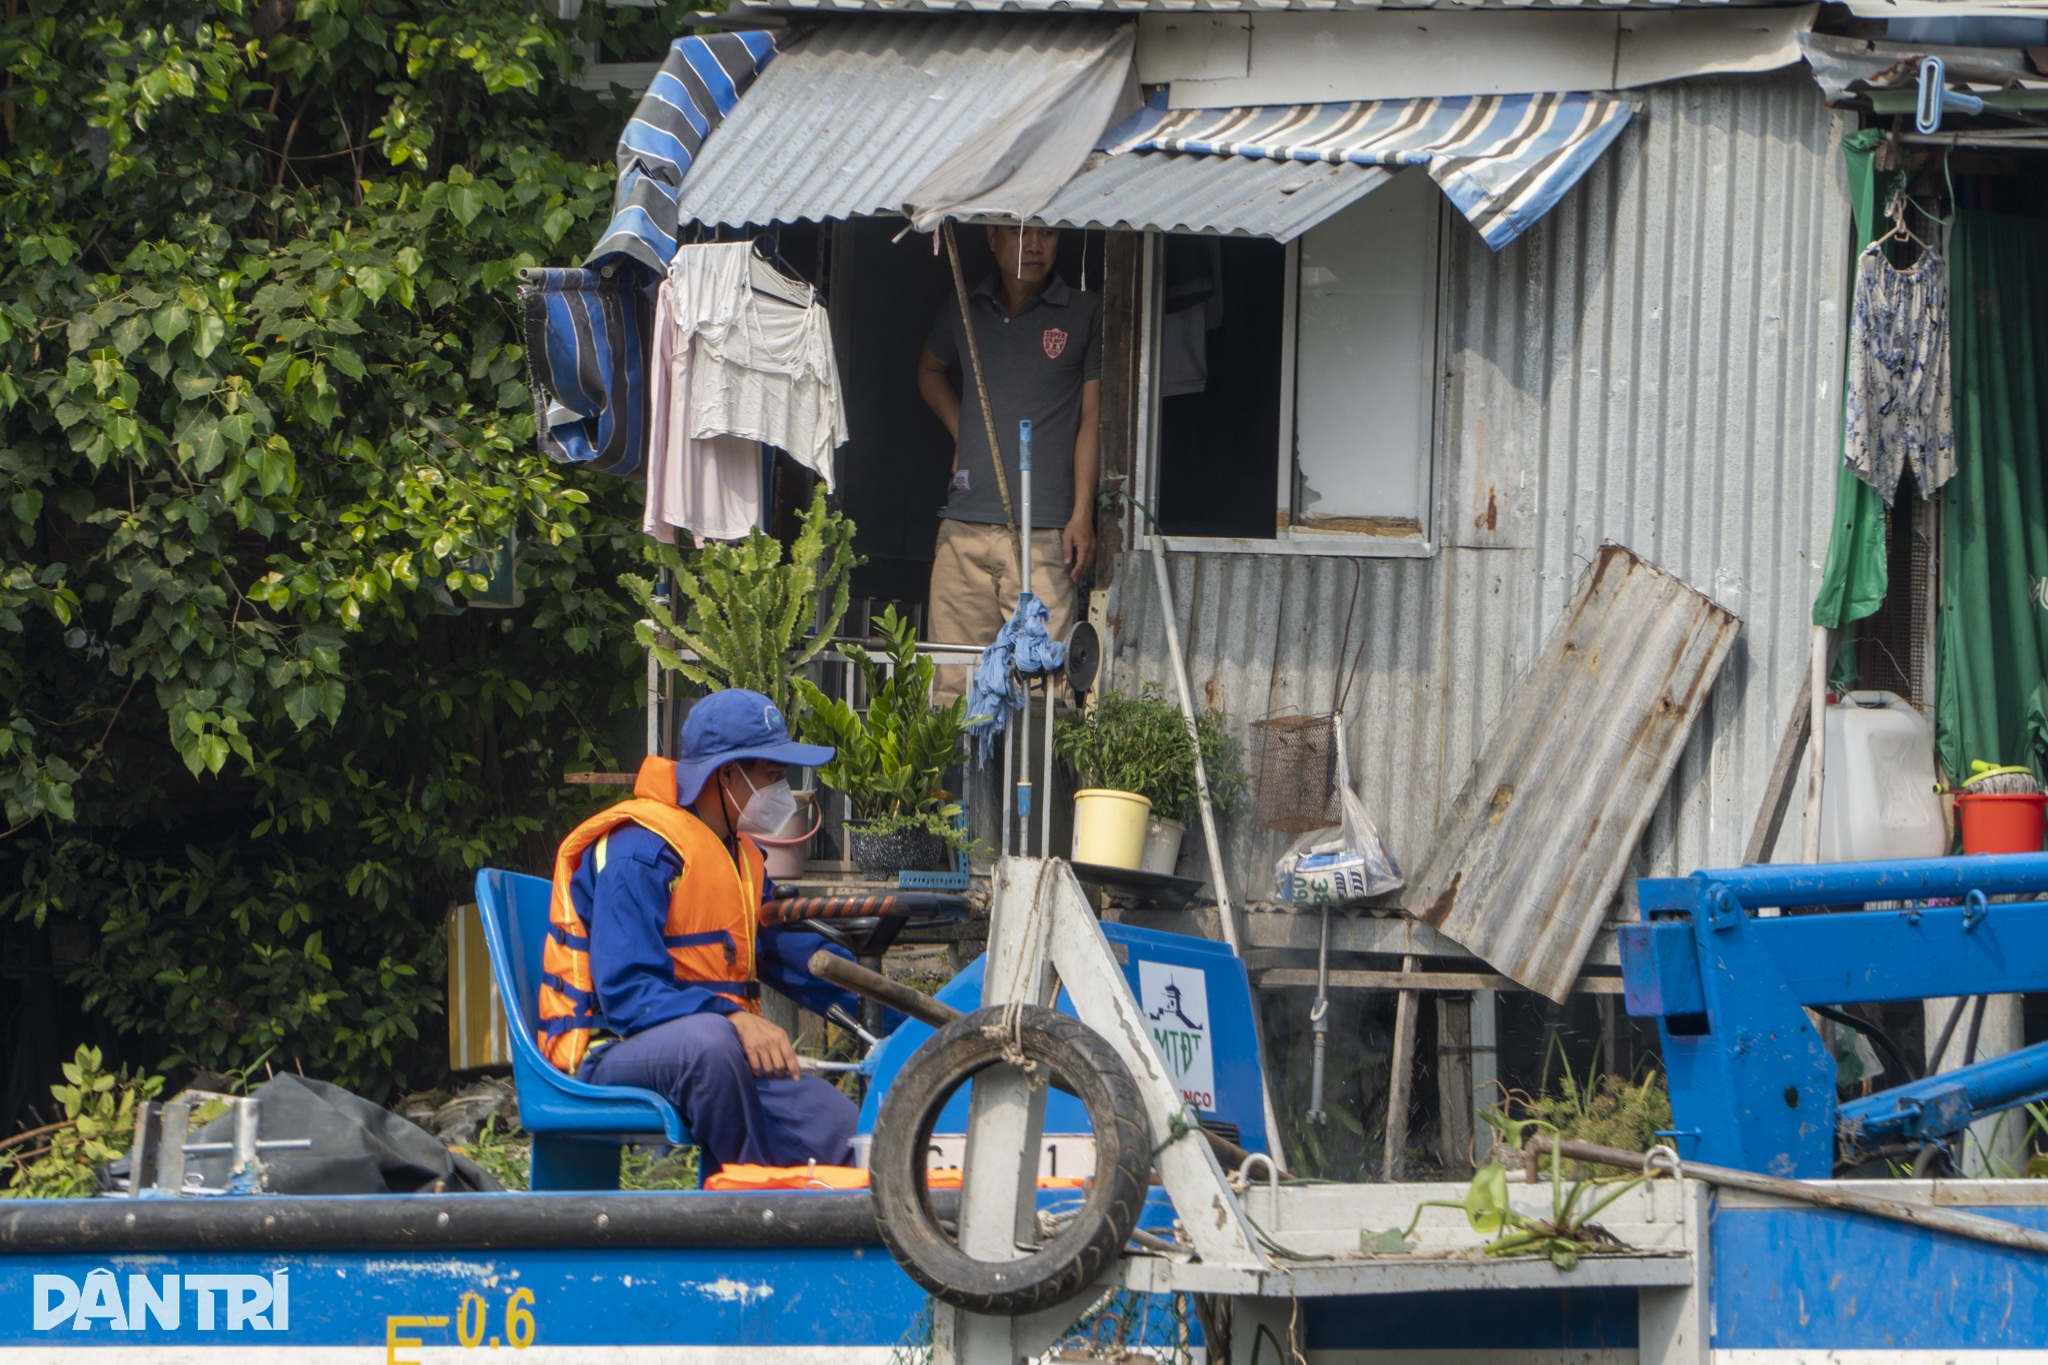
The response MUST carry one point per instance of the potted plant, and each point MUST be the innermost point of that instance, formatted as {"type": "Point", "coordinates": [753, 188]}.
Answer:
{"type": "Point", "coordinates": [1133, 759]}
{"type": "Point", "coordinates": [892, 759]}
{"type": "Point", "coordinates": [755, 613]}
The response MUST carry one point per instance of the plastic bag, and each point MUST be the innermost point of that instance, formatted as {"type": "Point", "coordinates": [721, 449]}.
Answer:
{"type": "Point", "coordinates": [1337, 865]}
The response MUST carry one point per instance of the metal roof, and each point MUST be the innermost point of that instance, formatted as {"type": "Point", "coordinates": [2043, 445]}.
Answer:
{"type": "Point", "coordinates": [1534, 848]}
{"type": "Point", "coordinates": [1657, 362]}
{"type": "Point", "coordinates": [851, 119]}
{"type": "Point", "coordinates": [1174, 192]}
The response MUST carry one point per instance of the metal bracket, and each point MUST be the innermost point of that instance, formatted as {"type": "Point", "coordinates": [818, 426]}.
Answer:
{"type": "Point", "coordinates": [161, 1147]}
{"type": "Point", "coordinates": [1975, 906]}
{"type": "Point", "coordinates": [1724, 911]}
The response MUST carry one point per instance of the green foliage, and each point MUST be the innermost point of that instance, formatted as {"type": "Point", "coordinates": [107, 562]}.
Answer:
{"type": "Point", "coordinates": [891, 761]}
{"type": "Point", "coordinates": [1606, 1110]}
{"type": "Point", "coordinates": [1565, 1236]}
{"type": "Point", "coordinates": [98, 1126]}
{"type": "Point", "coordinates": [507, 1154]}
{"type": "Point", "coordinates": [752, 619]}
{"type": "Point", "coordinates": [652, 1168]}
{"type": "Point", "coordinates": [263, 397]}
{"type": "Point", "coordinates": [1141, 744]}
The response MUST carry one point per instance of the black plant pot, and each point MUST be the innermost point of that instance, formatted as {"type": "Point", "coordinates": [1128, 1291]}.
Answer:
{"type": "Point", "coordinates": [902, 850]}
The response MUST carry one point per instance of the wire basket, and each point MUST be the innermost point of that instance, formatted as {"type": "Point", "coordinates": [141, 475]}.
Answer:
{"type": "Point", "coordinates": [1294, 766]}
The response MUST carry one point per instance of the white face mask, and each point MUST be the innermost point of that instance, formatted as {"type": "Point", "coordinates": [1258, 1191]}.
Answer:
{"type": "Point", "coordinates": [767, 810]}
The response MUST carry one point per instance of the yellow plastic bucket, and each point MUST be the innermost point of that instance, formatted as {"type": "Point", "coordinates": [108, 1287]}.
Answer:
{"type": "Point", "coordinates": [1109, 827]}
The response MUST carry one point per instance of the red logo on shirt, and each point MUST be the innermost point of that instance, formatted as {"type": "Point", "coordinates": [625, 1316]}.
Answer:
{"type": "Point", "coordinates": [1055, 342]}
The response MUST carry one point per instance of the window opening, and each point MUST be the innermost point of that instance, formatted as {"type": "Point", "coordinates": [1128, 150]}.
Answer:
{"type": "Point", "coordinates": [1221, 381]}
{"type": "Point", "coordinates": [1365, 360]}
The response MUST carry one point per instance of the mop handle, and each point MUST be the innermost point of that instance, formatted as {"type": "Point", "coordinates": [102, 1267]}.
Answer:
{"type": "Point", "coordinates": [1024, 551]}
{"type": "Point", "coordinates": [1024, 470]}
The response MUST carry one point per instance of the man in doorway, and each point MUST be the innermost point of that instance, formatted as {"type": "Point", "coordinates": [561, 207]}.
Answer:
{"type": "Point", "coordinates": [1041, 356]}
{"type": "Point", "coordinates": [652, 971]}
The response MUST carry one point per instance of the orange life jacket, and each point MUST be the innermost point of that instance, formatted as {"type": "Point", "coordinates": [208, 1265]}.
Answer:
{"type": "Point", "coordinates": [714, 912]}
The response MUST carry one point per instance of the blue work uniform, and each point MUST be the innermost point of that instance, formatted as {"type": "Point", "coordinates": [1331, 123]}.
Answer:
{"type": "Point", "coordinates": [671, 1037]}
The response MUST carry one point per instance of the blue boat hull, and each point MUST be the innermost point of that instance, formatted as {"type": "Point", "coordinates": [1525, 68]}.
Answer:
{"type": "Point", "coordinates": [1786, 1284]}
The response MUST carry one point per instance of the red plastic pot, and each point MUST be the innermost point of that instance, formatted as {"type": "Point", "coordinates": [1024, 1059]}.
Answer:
{"type": "Point", "coordinates": [2000, 822]}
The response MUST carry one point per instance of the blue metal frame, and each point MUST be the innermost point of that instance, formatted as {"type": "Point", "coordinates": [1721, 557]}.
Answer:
{"type": "Point", "coordinates": [1752, 1085]}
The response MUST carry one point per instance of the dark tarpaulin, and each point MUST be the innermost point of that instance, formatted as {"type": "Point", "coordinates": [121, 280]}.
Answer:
{"type": "Point", "coordinates": [358, 1147]}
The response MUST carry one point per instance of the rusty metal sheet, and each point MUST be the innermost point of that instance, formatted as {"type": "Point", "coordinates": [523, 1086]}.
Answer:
{"type": "Point", "coordinates": [1533, 851]}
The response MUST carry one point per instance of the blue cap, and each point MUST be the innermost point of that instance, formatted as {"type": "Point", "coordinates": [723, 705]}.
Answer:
{"type": "Point", "coordinates": [726, 727]}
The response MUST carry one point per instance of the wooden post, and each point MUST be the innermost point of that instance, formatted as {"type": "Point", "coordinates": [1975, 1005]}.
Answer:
{"type": "Point", "coordinates": [1770, 816]}
{"type": "Point", "coordinates": [1454, 1084]}
{"type": "Point", "coordinates": [1816, 739]}
{"type": "Point", "coordinates": [1123, 301]}
{"type": "Point", "coordinates": [1401, 1073]}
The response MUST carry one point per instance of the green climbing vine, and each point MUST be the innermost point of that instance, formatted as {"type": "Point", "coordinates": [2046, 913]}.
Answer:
{"type": "Point", "coordinates": [263, 410]}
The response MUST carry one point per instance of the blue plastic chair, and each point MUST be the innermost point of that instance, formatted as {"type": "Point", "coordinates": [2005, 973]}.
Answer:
{"type": "Point", "coordinates": [578, 1129]}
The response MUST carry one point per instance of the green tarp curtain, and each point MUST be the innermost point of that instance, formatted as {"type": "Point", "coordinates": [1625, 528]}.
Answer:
{"type": "Point", "coordinates": [1993, 631]}
{"type": "Point", "coordinates": [1852, 580]}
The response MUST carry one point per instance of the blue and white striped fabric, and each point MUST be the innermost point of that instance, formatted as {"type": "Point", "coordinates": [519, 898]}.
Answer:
{"type": "Point", "coordinates": [698, 86]}
{"type": "Point", "coordinates": [588, 335]}
{"type": "Point", "coordinates": [589, 332]}
{"type": "Point", "coordinates": [1504, 160]}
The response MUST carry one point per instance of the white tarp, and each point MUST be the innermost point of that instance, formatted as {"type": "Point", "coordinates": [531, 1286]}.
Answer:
{"type": "Point", "coordinates": [1022, 150]}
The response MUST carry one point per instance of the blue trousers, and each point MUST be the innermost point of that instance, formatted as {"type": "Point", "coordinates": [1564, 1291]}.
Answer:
{"type": "Point", "coordinates": [696, 1063]}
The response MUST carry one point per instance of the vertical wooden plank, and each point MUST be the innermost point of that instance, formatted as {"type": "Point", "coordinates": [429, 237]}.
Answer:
{"type": "Point", "coordinates": [1770, 815]}
{"type": "Point", "coordinates": [1122, 290]}
{"type": "Point", "coordinates": [1454, 1084]}
{"type": "Point", "coordinates": [1401, 1075]}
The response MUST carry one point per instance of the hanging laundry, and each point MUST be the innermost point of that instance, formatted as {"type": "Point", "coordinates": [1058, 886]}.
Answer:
{"type": "Point", "coordinates": [744, 359]}
{"type": "Point", "coordinates": [587, 336]}
{"type": "Point", "coordinates": [1898, 414]}
{"type": "Point", "coordinates": [763, 351]}
{"type": "Point", "coordinates": [710, 487]}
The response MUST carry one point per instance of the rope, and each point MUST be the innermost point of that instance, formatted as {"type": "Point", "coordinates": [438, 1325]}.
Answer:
{"type": "Point", "coordinates": [1008, 1033]}
{"type": "Point", "coordinates": [1177, 1128]}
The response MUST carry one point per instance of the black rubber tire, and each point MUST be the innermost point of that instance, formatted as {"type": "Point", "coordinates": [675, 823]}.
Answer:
{"type": "Point", "coordinates": [1085, 1066]}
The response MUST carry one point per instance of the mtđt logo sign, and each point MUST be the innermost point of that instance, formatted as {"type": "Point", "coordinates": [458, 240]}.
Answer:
{"type": "Point", "coordinates": [1176, 1003]}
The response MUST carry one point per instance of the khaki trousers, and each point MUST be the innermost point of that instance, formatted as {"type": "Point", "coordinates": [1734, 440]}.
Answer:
{"type": "Point", "coordinates": [975, 586]}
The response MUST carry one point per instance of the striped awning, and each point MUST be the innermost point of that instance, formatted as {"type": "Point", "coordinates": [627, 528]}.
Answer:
{"type": "Point", "coordinates": [699, 83]}
{"type": "Point", "coordinates": [1504, 160]}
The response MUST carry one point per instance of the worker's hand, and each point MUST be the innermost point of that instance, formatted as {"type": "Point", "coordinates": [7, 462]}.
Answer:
{"type": "Point", "coordinates": [1077, 543]}
{"type": "Point", "coordinates": [767, 1047]}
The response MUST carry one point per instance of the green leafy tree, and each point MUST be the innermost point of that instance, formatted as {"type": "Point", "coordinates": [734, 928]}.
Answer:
{"type": "Point", "coordinates": [263, 411]}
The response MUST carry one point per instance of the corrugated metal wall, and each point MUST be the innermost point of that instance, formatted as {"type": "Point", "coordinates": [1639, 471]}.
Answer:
{"type": "Point", "coordinates": [1657, 363]}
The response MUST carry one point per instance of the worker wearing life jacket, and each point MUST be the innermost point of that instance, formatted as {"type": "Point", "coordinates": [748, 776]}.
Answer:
{"type": "Point", "coordinates": [651, 974]}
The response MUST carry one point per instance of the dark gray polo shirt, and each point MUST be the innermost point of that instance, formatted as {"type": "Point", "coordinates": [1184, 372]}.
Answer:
{"type": "Point", "coordinates": [1035, 364]}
